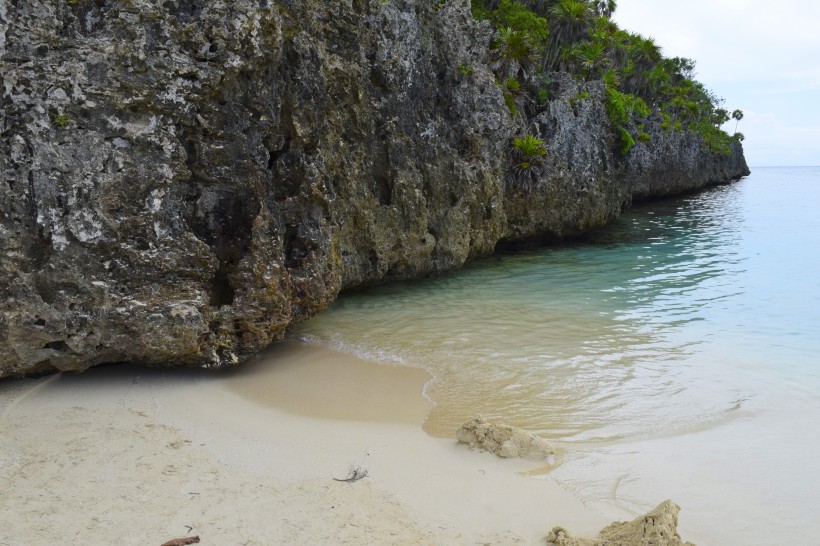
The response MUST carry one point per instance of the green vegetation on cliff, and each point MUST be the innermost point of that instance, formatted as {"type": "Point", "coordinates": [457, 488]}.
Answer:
{"type": "Point", "coordinates": [579, 37]}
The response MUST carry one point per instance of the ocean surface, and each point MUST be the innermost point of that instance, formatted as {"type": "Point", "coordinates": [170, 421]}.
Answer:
{"type": "Point", "coordinates": [673, 354]}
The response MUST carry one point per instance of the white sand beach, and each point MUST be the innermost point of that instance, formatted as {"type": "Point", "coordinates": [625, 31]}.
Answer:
{"type": "Point", "coordinates": [129, 455]}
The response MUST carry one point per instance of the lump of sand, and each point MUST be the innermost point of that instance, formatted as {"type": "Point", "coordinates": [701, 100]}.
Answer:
{"type": "Point", "coordinates": [657, 528]}
{"type": "Point", "coordinates": [503, 440]}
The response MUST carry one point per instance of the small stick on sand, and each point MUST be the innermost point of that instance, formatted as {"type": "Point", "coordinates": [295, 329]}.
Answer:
{"type": "Point", "coordinates": [182, 541]}
{"type": "Point", "coordinates": [356, 474]}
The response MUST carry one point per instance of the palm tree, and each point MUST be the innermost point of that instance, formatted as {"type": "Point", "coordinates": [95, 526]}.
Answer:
{"type": "Point", "coordinates": [590, 57]}
{"type": "Point", "coordinates": [645, 53]}
{"type": "Point", "coordinates": [569, 23]}
{"type": "Point", "coordinates": [516, 45]}
{"type": "Point", "coordinates": [604, 8]}
{"type": "Point", "coordinates": [737, 115]}
{"type": "Point", "coordinates": [537, 6]}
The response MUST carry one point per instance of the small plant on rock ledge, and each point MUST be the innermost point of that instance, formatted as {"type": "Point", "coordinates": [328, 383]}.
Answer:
{"type": "Point", "coordinates": [509, 100]}
{"type": "Point", "coordinates": [510, 89]}
{"type": "Point", "coordinates": [529, 151]}
{"type": "Point", "coordinates": [62, 121]}
{"type": "Point", "coordinates": [512, 85]}
{"type": "Point", "coordinates": [465, 69]}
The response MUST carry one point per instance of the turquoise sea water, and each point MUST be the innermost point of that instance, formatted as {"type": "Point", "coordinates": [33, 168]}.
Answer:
{"type": "Point", "coordinates": [672, 354]}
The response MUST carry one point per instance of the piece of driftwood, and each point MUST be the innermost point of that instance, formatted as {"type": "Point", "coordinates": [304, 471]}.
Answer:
{"type": "Point", "coordinates": [182, 541]}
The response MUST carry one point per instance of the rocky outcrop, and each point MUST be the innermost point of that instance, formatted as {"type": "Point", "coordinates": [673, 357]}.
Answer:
{"type": "Point", "coordinates": [659, 527]}
{"type": "Point", "coordinates": [674, 162]}
{"type": "Point", "coordinates": [184, 179]}
{"type": "Point", "coordinates": [503, 440]}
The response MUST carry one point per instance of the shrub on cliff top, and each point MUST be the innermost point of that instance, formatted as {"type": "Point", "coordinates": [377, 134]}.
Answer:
{"type": "Point", "coordinates": [579, 37]}
{"type": "Point", "coordinates": [522, 35]}
{"type": "Point", "coordinates": [511, 14]}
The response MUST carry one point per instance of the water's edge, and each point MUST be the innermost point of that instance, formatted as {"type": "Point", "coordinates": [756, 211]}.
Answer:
{"type": "Point", "coordinates": [671, 354]}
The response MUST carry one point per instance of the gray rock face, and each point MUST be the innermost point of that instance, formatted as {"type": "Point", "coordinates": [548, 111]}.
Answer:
{"type": "Point", "coordinates": [184, 179]}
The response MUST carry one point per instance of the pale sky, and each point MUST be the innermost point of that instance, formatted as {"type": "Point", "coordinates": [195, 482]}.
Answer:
{"type": "Point", "coordinates": [762, 57]}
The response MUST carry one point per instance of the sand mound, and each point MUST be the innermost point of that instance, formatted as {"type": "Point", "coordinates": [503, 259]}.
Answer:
{"type": "Point", "coordinates": [503, 440]}
{"type": "Point", "coordinates": [657, 528]}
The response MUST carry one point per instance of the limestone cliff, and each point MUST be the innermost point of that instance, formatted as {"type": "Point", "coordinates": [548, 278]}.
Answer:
{"type": "Point", "coordinates": [183, 179]}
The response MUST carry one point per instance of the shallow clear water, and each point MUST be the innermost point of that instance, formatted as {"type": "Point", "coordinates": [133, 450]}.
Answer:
{"type": "Point", "coordinates": [689, 328]}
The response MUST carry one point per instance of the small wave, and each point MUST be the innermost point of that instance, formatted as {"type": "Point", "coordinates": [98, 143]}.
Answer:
{"type": "Point", "coordinates": [371, 355]}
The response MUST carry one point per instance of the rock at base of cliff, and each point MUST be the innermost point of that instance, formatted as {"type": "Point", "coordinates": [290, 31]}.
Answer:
{"type": "Point", "coordinates": [656, 528]}
{"type": "Point", "coordinates": [503, 440]}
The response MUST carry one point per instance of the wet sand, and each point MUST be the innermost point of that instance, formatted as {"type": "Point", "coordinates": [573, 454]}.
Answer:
{"type": "Point", "coordinates": [135, 456]}
{"type": "Point", "coordinates": [313, 381]}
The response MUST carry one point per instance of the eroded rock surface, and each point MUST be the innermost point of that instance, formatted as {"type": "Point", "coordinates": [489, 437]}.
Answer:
{"type": "Point", "coordinates": [182, 180]}
{"type": "Point", "coordinates": [658, 527]}
{"type": "Point", "coordinates": [503, 440]}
